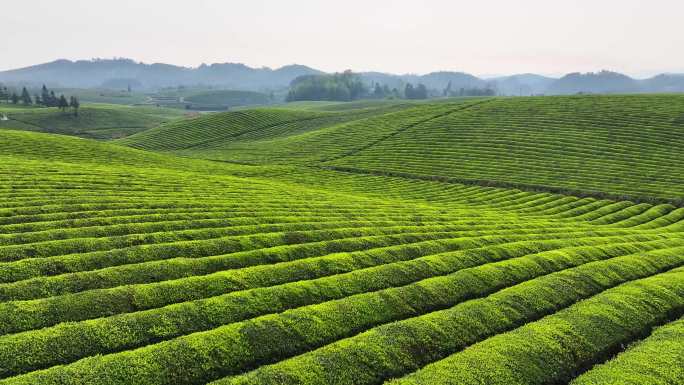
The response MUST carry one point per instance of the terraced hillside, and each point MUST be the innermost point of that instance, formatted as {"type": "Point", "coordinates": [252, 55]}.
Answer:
{"type": "Point", "coordinates": [95, 121]}
{"type": "Point", "coordinates": [121, 265]}
{"type": "Point", "coordinates": [223, 99]}
{"type": "Point", "coordinates": [620, 147]}
{"type": "Point", "coordinates": [631, 145]}
{"type": "Point", "coordinates": [277, 136]}
{"type": "Point", "coordinates": [218, 133]}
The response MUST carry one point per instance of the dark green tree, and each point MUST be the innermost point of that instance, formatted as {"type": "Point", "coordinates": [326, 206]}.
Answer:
{"type": "Point", "coordinates": [74, 103]}
{"type": "Point", "coordinates": [421, 92]}
{"type": "Point", "coordinates": [15, 98]}
{"type": "Point", "coordinates": [408, 91]}
{"type": "Point", "coordinates": [418, 92]}
{"type": "Point", "coordinates": [54, 101]}
{"type": "Point", "coordinates": [26, 97]}
{"type": "Point", "coordinates": [62, 103]}
{"type": "Point", "coordinates": [45, 96]}
{"type": "Point", "coordinates": [378, 92]}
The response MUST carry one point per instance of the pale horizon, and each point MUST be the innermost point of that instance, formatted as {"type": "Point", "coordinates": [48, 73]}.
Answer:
{"type": "Point", "coordinates": [490, 38]}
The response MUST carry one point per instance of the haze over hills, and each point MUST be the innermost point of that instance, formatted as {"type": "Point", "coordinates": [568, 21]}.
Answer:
{"type": "Point", "coordinates": [119, 73]}
{"type": "Point", "coordinates": [95, 73]}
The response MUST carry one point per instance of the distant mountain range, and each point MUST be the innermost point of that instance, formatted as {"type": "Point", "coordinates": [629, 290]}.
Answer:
{"type": "Point", "coordinates": [121, 73]}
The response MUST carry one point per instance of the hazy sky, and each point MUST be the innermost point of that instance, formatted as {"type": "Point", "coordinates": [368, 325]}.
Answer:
{"type": "Point", "coordinates": [638, 37]}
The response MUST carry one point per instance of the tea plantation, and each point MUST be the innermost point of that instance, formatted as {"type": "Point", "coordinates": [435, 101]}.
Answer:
{"type": "Point", "coordinates": [467, 241]}
{"type": "Point", "coordinates": [94, 121]}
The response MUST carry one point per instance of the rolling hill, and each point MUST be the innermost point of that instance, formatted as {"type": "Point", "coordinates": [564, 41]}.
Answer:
{"type": "Point", "coordinates": [95, 121]}
{"type": "Point", "coordinates": [594, 83]}
{"type": "Point", "coordinates": [224, 99]}
{"type": "Point", "coordinates": [351, 249]}
{"type": "Point", "coordinates": [522, 85]}
{"type": "Point", "coordinates": [631, 145]}
{"type": "Point", "coordinates": [621, 147]}
{"type": "Point", "coordinates": [218, 132]}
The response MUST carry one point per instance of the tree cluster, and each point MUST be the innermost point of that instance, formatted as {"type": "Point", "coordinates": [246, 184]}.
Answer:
{"type": "Point", "coordinates": [474, 91]}
{"type": "Point", "coordinates": [344, 86]}
{"type": "Point", "coordinates": [5, 94]}
{"type": "Point", "coordinates": [46, 98]}
{"type": "Point", "coordinates": [348, 86]}
{"type": "Point", "coordinates": [384, 92]}
{"type": "Point", "coordinates": [410, 91]}
{"type": "Point", "coordinates": [415, 92]}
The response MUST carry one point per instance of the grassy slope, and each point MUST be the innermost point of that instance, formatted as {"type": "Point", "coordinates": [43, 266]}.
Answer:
{"type": "Point", "coordinates": [223, 133]}
{"type": "Point", "coordinates": [96, 121]}
{"type": "Point", "coordinates": [313, 137]}
{"type": "Point", "coordinates": [210, 130]}
{"type": "Point", "coordinates": [630, 145]}
{"type": "Point", "coordinates": [81, 220]}
{"type": "Point", "coordinates": [228, 98]}
{"type": "Point", "coordinates": [106, 96]}
{"type": "Point", "coordinates": [121, 266]}
{"type": "Point", "coordinates": [622, 147]}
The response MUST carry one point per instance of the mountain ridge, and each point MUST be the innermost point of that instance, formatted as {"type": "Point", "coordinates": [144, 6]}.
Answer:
{"type": "Point", "coordinates": [102, 72]}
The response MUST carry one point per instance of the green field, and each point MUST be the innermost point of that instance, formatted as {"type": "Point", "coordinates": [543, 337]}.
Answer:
{"type": "Point", "coordinates": [224, 99]}
{"type": "Point", "coordinates": [95, 121]}
{"type": "Point", "coordinates": [197, 98]}
{"type": "Point", "coordinates": [619, 147]}
{"type": "Point", "coordinates": [466, 241]}
{"type": "Point", "coordinates": [104, 96]}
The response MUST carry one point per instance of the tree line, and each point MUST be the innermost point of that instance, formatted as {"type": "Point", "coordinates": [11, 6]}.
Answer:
{"type": "Point", "coordinates": [344, 86]}
{"type": "Point", "coordinates": [410, 91]}
{"type": "Point", "coordinates": [472, 91]}
{"type": "Point", "coordinates": [348, 86]}
{"type": "Point", "coordinates": [46, 98]}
